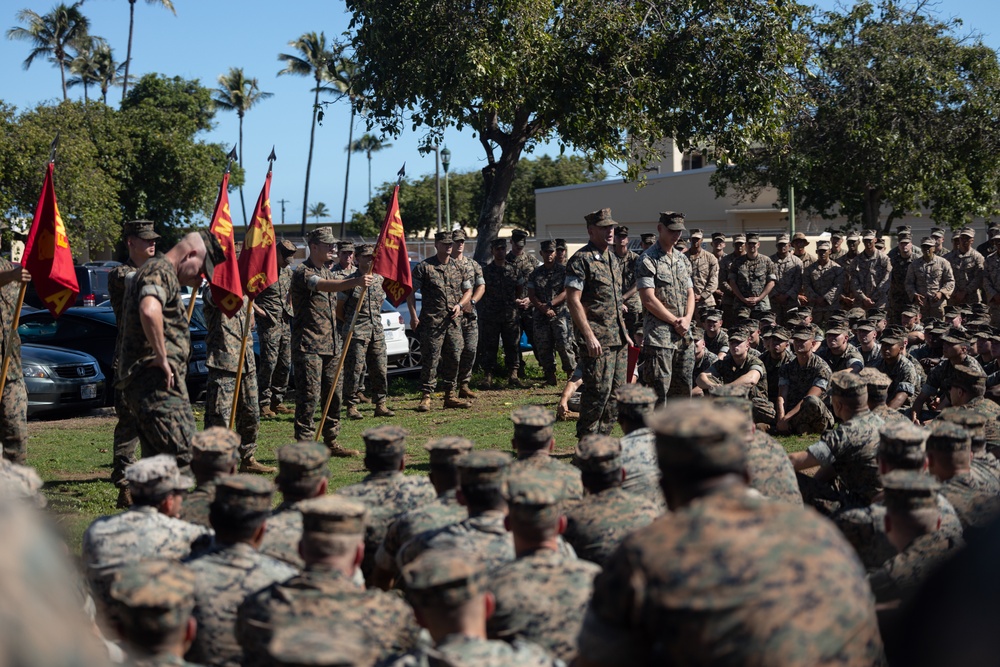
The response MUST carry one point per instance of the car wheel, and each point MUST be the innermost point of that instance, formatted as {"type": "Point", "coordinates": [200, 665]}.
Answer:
{"type": "Point", "coordinates": [412, 357]}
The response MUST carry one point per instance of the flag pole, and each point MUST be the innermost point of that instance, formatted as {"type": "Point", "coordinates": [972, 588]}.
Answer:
{"type": "Point", "coordinates": [20, 296]}
{"type": "Point", "coordinates": [354, 318]}
{"type": "Point", "coordinates": [246, 331]}
{"type": "Point", "coordinates": [229, 163]}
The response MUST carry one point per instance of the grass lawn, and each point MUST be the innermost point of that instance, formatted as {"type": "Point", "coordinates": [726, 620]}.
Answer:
{"type": "Point", "coordinates": [73, 456]}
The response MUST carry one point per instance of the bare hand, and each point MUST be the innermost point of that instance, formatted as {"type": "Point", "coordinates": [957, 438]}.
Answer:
{"type": "Point", "coordinates": [25, 276]}
{"type": "Point", "coordinates": [414, 322]}
{"type": "Point", "coordinates": [920, 299]}
{"type": "Point", "coordinates": [456, 311]}
{"type": "Point", "coordinates": [594, 349]}
{"type": "Point", "coordinates": [164, 365]}
{"type": "Point", "coordinates": [550, 313]}
{"type": "Point", "coordinates": [364, 281]}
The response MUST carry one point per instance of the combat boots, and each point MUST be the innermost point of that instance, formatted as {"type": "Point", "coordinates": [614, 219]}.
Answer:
{"type": "Point", "coordinates": [124, 498]}
{"type": "Point", "coordinates": [488, 381]}
{"type": "Point", "coordinates": [425, 403]}
{"type": "Point", "coordinates": [382, 410]}
{"type": "Point", "coordinates": [465, 392]}
{"type": "Point", "coordinates": [362, 398]}
{"type": "Point", "coordinates": [550, 379]}
{"type": "Point", "coordinates": [514, 381]}
{"type": "Point", "coordinates": [452, 401]}
{"type": "Point", "coordinates": [280, 409]}
{"type": "Point", "coordinates": [354, 413]}
{"type": "Point", "coordinates": [250, 464]}
{"type": "Point", "coordinates": [265, 413]}
{"type": "Point", "coordinates": [338, 452]}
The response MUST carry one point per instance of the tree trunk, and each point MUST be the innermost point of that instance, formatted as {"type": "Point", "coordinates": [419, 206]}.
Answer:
{"type": "Point", "coordinates": [873, 209]}
{"type": "Point", "coordinates": [347, 176]}
{"type": "Point", "coordinates": [243, 204]}
{"type": "Point", "coordinates": [62, 74]}
{"type": "Point", "coordinates": [128, 53]}
{"type": "Point", "coordinates": [309, 160]}
{"type": "Point", "coordinates": [369, 175]}
{"type": "Point", "coordinates": [497, 179]}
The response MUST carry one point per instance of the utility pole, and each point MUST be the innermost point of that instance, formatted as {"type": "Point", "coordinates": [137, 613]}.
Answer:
{"type": "Point", "coordinates": [282, 202]}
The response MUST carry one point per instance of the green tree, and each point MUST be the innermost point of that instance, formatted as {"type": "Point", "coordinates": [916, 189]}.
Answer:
{"type": "Point", "coordinates": [313, 59]}
{"type": "Point", "coordinates": [51, 35]}
{"type": "Point", "coordinates": [368, 144]}
{"type": "Point", "coordinates": [610, 77]}
{"type": "Point", "coordinates": [187, 99]}
{"type": "Point", "coordinates": [902, 114]}
{"type": "Point", "coordinates": [318, 210]}
{"type": "Point", "coordinates": [166, 4]}
{"type": "Point", "coordinates": [84, 65]}
{"type": "Point", "coordinates": [108, 72]}
{"type": "Point", "coordinates": [238, 93]}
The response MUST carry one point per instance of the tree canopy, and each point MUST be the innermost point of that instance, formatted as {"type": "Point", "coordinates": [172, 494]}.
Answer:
{"type": "Point", "coordinates": [901, 113]}
{"type": "Point", "coordinates": [608, 77]}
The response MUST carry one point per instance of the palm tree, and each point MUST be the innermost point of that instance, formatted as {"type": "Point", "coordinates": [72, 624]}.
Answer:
{"type": "Point", "coordinates": [368, 144]}
{"type": "Point", "coordinates": [312, 60]}
{"type": "Point", "coordinates": [318, 210]}
{"type": "Point", "coordinates": [109, 73]}
{"type": "Point", "coordinates": [344, 73]}
{"type": "Point", "coordinates": [51, 34]}
{"type": "Point", "coordinates": [83, 66]}
{"type": "Point", "coordinates": [238, 93]}
{"type": "Point", "coordinates": [131, 28]}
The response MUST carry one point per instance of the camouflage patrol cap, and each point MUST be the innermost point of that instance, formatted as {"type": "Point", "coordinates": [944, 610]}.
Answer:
{"type": "Point", "coordinates": [699, 438]}
{"type": "Point", "coordinates": [739, 238]}
{"type": "Point", "coordinates": [955, 234]}
{"type": "Point", "coordinates": [385, 438]}
{"type": "Point", "coordinates": [956, 336]}
{"type": "Point", "coordinates": [547, 246]}
{"type": "Point", "coordinates": [712, 314]}
{"type": "Point", "coordinates": [321, 235]}
{"type": "Point", "coordinates": [648, 238]}
{"type": "Point", "coordinates": [903, 229]}
{"type": "Point", "coordinates": [753, 237]}
{"type": "Point", "coordinates": [498, 243]}
{"type": "Point", "coordinates": [876, 314]}
{"type": "Point", "coordinates": [856, 314]}
{"type": "Point", "coordinates": [243, 494]}
{"type": "Point", "coordinates": [968, 377]}
{"type": "Point", "coordinates": [155, 475]}
{"type": "Point", "coordinates": [836, 234]}
{"type": "Point", "coordinates": [333, 515]}
{"type": "Point", "coordinates": [803, 332]}
{"type": "Point", "coordinates": [823, 245]}
{"type": "Point", "coordinates": [697, 333]}
{"type": "Point", "coordinates": [875, 379]}
{"type": "Point", "coordinates": [345, 246]}
{"type": "Point", "coordinates": [672, 220]}
{"type": "Point", "coordinates": [927, 242]}
{"type": "Point", "coordinates": [598, 453]}
{"type": "Point", "coordinates": [142, 229]}
{"type": "Point", "coordinates": [534, 497]}
{"type": "Point", "coordinates": [718, 236]}
{"type": "Point", "coordinates": [216, 447]}
{"type": "Point", "coordinates": [948, 437]}
{"type": "Point", "coordinates": [781, 238]}
{"type": "Point", "coordinates": [443, 237]}
{"type": "Point", "coordinates": [287, 248]}
{"type": "Point", "coordinates": [868, 324]}
{"type": "Point", "coordinates": [154, 596]}
{"type": "Point", "coordinates": [868, 235]}
{"type": "Point", "coordinates": [533, 424]}
{"type": "Point", "coordinates": [853, 236]}
{"type": "Point", "coordinates": [458, 235]}
{"type": "Point", "coordinates": [937, 232]}
{"type": "Point", "coordinates": [214, 253]}
{"type": "Point", "coordinates": [621, 231]}
{"type": "Point", "coordinates": [518, 237]}
{"type": "Point", "coordinates": [781, 333]}
{"type": "Point", "coordinates": [901, 442]}
{"type": "Point", "coordinates": [365, 250]}
{"type": "Point", "coordinates": [321, 642]}
{"type": "Point", "coordinates": [847, 383]}
{"type": "Point", "coordinates": [21, 483]}
{"type": "Point", "coordinates": [910, 311]}
{"type": "Point", "coordinates": [968, 231]}
{"type": "Point", "coordinates": [443, 578]}
{"type": "Point", "coordinates": [561, 243]}
{"type": "Point", "coordinates": [937, 327]}
{"type": "Point", "coordinates": [302, 460]}
{"type": "Point", "coordinates": [483, 466]}
{"type": "Point", "coordinates": [635, 395]}
{"type": "Point", "coordinates": [907, 490]}
{"type": "Point", "coordinates": [447, 450]}
{"type": "Point", "coordinates": [741, 333]}
{"type": "Point", "coordinates": [600, 218]}
{"type": "Point", "coordinates": [696, 234]}
{"type": "Point", "coordinates": [971, 420]}
{"type": "Point", "coordinates": [732, 399]}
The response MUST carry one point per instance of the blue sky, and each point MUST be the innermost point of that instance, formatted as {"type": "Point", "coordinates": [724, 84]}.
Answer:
{"type": "Point", "coordinates": [207, 37]}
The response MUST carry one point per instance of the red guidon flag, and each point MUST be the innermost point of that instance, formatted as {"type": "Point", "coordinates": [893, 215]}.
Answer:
{"type": "Point", "coordinates": [47, 255]}
{"type": "Point", "coordinates": [391, 261]}
{"type": "Point", "coordinates": [227, 289]}
{"type": "Point", "coordinates": [258, 261]}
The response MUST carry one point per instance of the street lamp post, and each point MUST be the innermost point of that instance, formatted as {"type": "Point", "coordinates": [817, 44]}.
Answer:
{"type": "Point", "coordinates": [445, 161]}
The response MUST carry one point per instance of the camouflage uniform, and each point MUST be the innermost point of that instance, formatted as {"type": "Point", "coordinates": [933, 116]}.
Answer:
{"type": "Point", "coordinates": [197, 503]}
{"type": "Point", "coordinates": [642, 475]}
{"type": "Point", "coordinates": [904, 377]}
{"type": "Point", "coordinates": [229, 573]}
{"type": "Point", "coordinates": [813, 416]}
{"type": "Point", "coordinates": [551, 335]}
{"type": "Point", "coordinates": [719, 344]}
{"type": "Point", "coordinates": [773, 368]}
{"type": "Point", "coordinates": [850, 359]}
{"type": "Point", "coordinates": [771, 471]}
{"type": "Point", "coordinates": [472, 273]}
{"type": "Point", "coordinates": [167, 421]}
{"type": "Point", "coordinates": [726, 371]}
{"type": "Point", "coordinates": [225, 335]}
{"type": "Point", "coordinates": [634, 316]}
{"type": "Point", "coordinates": [568, 476]}
{"type": "Point", "coordinates": [275, 336]}
{"type": "Point", "coordinates": [991, 286]}
{"type": "Point", "coordinates": [825, 283]}
{"type": "Point", "coordinates": [126, 436]}
{"type": "Point", "coordinates": [315, 347]}
{"type": "Point", "coordinates": [215, 451]}
{"type": "Point", "coordinates": [727, 303]}
{"type": "Point", "coordinates": [928, 278]}
{"type": "Point", "coordinates": [898, 298]}
{"type": "Point", "coordinates": [870, 277]}
{"type": "Point", "coordinates": [974, 506]}
{"type": "Point", "coordinates": [704, 277]}
{"type": "Point", "coordinates": [968, 270]}
{"type": "Point", "coordinates": [445, 510]}
{"type": "Point", "coordinates": [482, 538]}
{"type": "Point", "coordinates": [525, 265]}
{"type": "Point", "coordinates": [367, 346]}
{"type": "Point", "coordinates": [441, 343]}
{"type": "Point", "coordinates": [789, 283]}
{"type": "Point", "coordinates": [140, 533]}
{"type": "Point", "coordinates": [668, 357]}
{"type": "Point", "coordinates": [751, 277]}
{"type": "Point", "coordinates": [660, 600]}
{"type": "Point", "coordinates": [500, 317]}
{"type": "Point", "coordinates": [597, 278]}
{"type": "Point", "coordinates": [940, 377]}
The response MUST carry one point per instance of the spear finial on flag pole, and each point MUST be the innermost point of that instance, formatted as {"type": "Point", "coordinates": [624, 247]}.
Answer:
{"type": "Point", "coordinates": [401, 174]}
{"type": "Point", "coordinates": [232, 158]}
{"type": "Point", "coordinates": [270, 160]}
{"type": "Point", "coordinates": [52, 148]}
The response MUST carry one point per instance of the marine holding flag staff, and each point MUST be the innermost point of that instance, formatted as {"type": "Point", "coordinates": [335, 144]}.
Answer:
{"type": "Point", "coordinates": [156, 344]}
{"type": "Point", "coordinates": [14, 403]}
